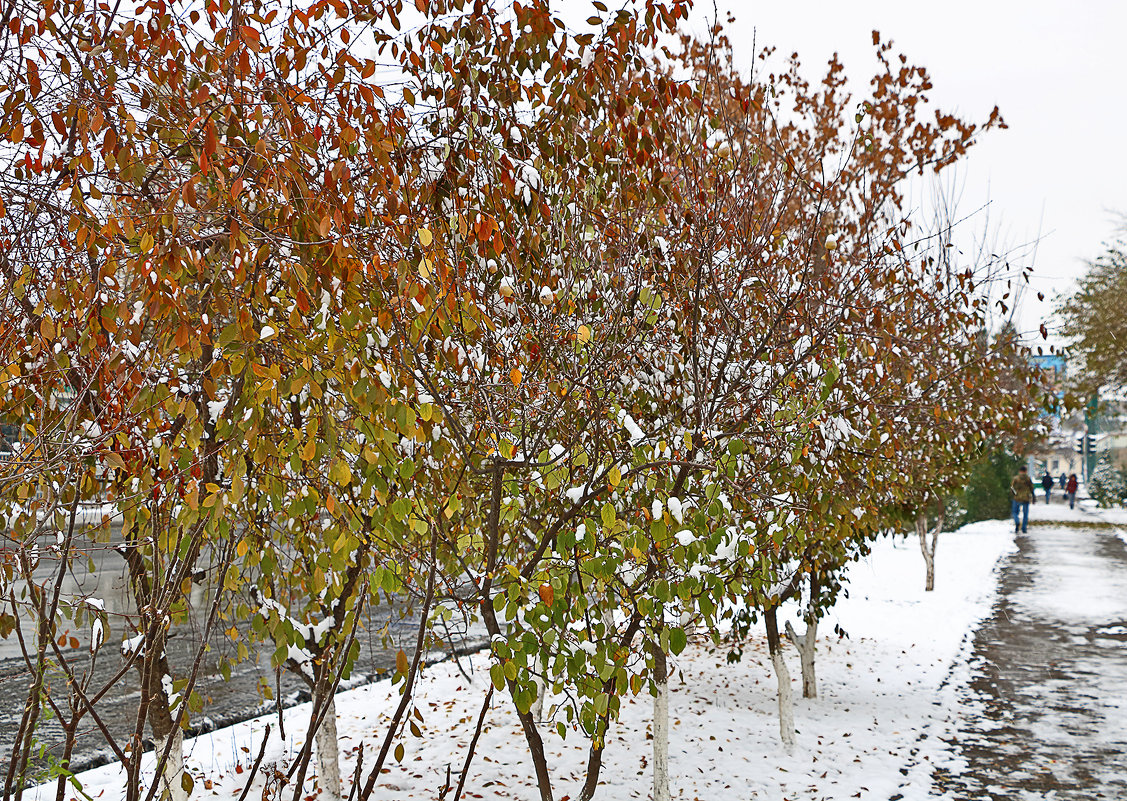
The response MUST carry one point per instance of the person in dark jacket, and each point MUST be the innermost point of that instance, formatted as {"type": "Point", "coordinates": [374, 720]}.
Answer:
{"type": "Point", "coordinates": [1070, 490]}
{"type": "Point", "coordinates": [1021, 495]}
{"type": "Point", "coordinates": [1047, 484]}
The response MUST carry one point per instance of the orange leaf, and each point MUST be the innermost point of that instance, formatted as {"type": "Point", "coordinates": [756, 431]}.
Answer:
{"type": "Point", "coordinates": [515, 377]}
{"type": "Point", "coordinates": [547, 594]}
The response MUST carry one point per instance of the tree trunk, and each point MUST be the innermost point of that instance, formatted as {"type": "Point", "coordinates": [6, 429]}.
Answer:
{"type": "Point", "coordinates": [928, 549]}
{"type": "Point", "coordinates": [595, 755]}
{"type": "Point", "coordinates": [166, 734]}
{"type": "Point", "coordinates": [328, 753]}
{"type": "Point", "coordinates": [171, 779]}
{"type": "Point", "coordinates": [661, 725]}
{"type": "Point", "coordinates": [594, 768]}
{"type": "Point", "coordinates": [805, 645]}
{"type": "Point", "coordinates": [782, 676]}
{"type": "Point", "coordinates": [527, 722]}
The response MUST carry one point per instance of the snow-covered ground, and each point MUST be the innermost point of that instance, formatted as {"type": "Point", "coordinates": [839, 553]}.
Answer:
{"type": "Point", "coordinates": [886, 699]}
{"type": "Point", "coordinates": [1116, 517]}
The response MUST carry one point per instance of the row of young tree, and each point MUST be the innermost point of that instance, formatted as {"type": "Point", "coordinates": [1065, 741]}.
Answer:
{"type": "Point", "coordinates": [587, 337]}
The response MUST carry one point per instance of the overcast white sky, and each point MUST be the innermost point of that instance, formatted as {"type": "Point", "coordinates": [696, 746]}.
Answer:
{"type": "Point", "coordinates": [1058, 72]}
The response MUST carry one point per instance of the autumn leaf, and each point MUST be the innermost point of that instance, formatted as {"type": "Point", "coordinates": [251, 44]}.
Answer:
{"type": "Point", "coordinates": [341, 473]}
{"type": "Point", "coordinates": [515, 376]}
{"type": "Point", "coordinates": [547, 594]}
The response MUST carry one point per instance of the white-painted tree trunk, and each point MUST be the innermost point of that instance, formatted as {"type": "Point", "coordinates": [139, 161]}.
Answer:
{"type": "Point", "coordinates": [805, 644]}
{"type": "Point", "coordinates": [928, 549]}
{"type": "Point", "coordinates": [172, 776]}
{"type": "Point", "coordinates": [328, 754]}
{"type": "Point", "coordinates": [537, 708]}
{"type": "Point", "coordinates": [661, 727]}
{"type": "Point", "coordinates": [786, 700]}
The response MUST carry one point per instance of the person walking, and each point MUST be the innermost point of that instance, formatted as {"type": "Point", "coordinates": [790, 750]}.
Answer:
{"type": "Point", "coordinates": [1021, 495]}
{"type": "Point", "coordinates": [1061, 481]}
{"type": "Point", "coordinates": [1047, 484]}
{"type": "Point", "coordinates": [1070, 490]}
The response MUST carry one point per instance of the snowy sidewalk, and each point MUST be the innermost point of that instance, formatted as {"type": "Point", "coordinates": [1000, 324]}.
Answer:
{"type": "Point", "coordinates": [1042, 716]}
{"type": "Point", "coordinates": [874, 732]}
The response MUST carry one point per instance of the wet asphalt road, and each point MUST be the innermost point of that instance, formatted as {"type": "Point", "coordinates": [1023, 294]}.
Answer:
{"type": "Point", "coordinates": [1045, 714]}
{"type": "Point", "coordinates": [225, 702]}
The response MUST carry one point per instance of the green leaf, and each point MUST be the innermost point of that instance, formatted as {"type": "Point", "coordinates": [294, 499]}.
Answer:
{"type": "Point", "coordinates": [677, 641]}
{"type": "Point", "coordinates": [497, 673]}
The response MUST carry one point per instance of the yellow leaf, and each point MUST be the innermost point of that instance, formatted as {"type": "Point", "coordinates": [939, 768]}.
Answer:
{"type": "Point", "coordinates": [425, 237]}
{"type": "Point", "coordinates": [242, 548]}
{"type": "Point", "coordinates": [341, 473]}
{"type": "Point", "coordinates": [583, 334]}
{"type": "Point", "coordinates": [309, 451]}
{"type": "Point", "coordinates": [515, 377]}
{"type": "Point", "coordinates": [424, 269]}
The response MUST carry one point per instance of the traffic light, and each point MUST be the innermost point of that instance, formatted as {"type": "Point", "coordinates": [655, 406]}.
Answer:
{"type": "Point", "coordinates": [1078, 446]}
